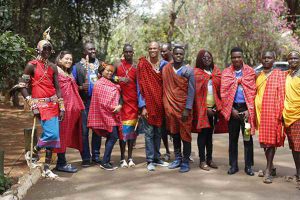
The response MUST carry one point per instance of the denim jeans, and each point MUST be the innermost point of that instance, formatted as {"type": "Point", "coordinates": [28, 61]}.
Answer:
{"type": "Point", "coordinates": [152, 140]}
{"type": "Point", "coordinates": [109, 145]}
{"type": "Point", "coordinates": [187, 148]}
{"type": "Point", "coordinates": [96, 139]}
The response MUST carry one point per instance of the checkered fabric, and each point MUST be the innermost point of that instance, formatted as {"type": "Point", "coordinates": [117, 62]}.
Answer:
{"type": "Point", "coordinates": [200, 108]}
{"type": "Point", "coordinates": [229, 84]}
{"type": "Point", "coordinates": [270, 129]}
{"type": "Point", "coordinates": [293, 134]}
{"type": "Point", "coordinates": [150, 84]}
{"type": "Point", "coordinates": [105, 98]}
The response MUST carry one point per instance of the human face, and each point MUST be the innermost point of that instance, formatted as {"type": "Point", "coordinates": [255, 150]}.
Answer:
{"type": "Point", "coordinates": [153, 50]}
{"type": "Point", "coordinates": [207, 59]}
{"type": "Point", "coordinates": [268, 60]}
{"type": "Point", "coordinates": [165, 52]}
{"type": "Point", "coordinates": [178, 55]}
{"type": "Point", "coordinates": [108, 72]}
{"type": "Point", "coordinates": [46, 51]}
{"type": "Point", "coordinates": [294, 60]}
{"type": "Point", "coordinates": [237, 59]}
{"type": "Point", "coordinates": [128, 53]}
{"type": "Point", "coordinates": [66, 61]}
{"type": "Point", "coordinates": [90, 50]}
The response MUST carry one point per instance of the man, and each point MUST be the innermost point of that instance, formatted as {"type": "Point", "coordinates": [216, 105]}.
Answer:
{"type": "Point", "coordinates": [85, 74]}
{"type": "Point", "coordinates": [166, 52]}
{"type": "Point", "coordinates": [129, 111]}
{"type": "Point", "coordinates": [237, 93]}
{"type": "Point", "coordinates": [178, 98]}
{"type": "Point", "coordinates": [291, 112]}
{"type": "Point", "coordinates": [45, 102]}
{"type": "Point", "coordinates": [270, 86]}
{"type": "Point", "coordinates": [149, 76]}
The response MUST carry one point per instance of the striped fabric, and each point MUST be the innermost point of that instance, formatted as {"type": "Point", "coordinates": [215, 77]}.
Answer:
{"type": "Point", "coordinates": [293, 134]}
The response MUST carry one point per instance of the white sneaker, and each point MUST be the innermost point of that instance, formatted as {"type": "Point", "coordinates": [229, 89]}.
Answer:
{"type": "Point", "coordinates": [150, 167]}
{"type": "Point", "coordinates": [191, 159]}
{"type": "Point", "coordinates": [49, 174]}
{"type": "Point", "coordinates": [131, 163]}
{"type": "Point", "coordinates": [31, 163]}
{"type": "Point", "coordinates": [123, 164]}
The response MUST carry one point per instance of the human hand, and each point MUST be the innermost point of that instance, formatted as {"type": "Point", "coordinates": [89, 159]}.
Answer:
{"type": "Point", "coordinates": [61, 115]}
{"type": "Point", "coordinates": [185, 115]}
{"type": "Point", "coordinates": [235, 114]}
{"type": "Point", "coordinates": [117, 109]}
{"type": "Point", "coordinates": [144, 113]}
{"type": "Point", "coordinates": [124, 80]}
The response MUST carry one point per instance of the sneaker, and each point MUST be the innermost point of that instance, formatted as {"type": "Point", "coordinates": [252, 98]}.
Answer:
{"type": "Point", "coordinates": [175, 164]}
{"type": "Point", "coordinates": [191, 159]}
{"type": "Point", "coordinates": [107, 166]}
{"type": "Point", "coordinates": [123, 164]}
{"type": "Point", "coordinates": [66, 168]}
{"type": "Point", "coordinates": [86, 163]}
{"type": "Point", "coordinates": [31, 163]}
{"type": "Point", "coordinates": [96, 161]}
{"type": "Point", "coordinates": [184, 167]}
{"type": "Point", "coordinates": [131, 163]}
{"type": "Point", "coordinates": [161, 163]}
{"type": "Point", "coordinates": [167, 157]}
{"type": "Point", "coordinates": [49, 174]}
{"type": "Point", "coordinates": [151, 167]}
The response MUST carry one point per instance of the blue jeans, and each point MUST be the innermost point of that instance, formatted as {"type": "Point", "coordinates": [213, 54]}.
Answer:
{"type": "Point", "coordinates": [109, 145]}
{"type": "Point", "coordinates": [152, 140]}
{"type": "Point", "coordinates": [96, 139]}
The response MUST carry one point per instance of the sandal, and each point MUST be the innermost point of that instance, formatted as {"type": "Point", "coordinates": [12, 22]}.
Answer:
{"type": "Point", "coordinates": [204, 166]}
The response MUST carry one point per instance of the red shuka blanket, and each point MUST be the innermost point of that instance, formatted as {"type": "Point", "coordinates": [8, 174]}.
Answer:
{"type": "Point", "coordinates": [43, 87]}
{"type": "Point", "coordinates": [150, 84]}
{"type": "Point", "coordinates": [71, 127]}
{"type": "Point", "coordinates": [229, 84]}
{"type": "Point", "coordinates": [270, 129]}
{"type": "Point", "coordinates": [174, 99]}
{"type": "Point", "coordinates": [106, 96]}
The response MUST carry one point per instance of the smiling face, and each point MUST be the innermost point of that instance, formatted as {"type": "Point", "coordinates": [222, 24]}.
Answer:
{"type": "Point", "coordinates": [90, 50]}
{"type": "Point", "coordinates": [66, 61]}
{"type": "Point", "coordinates": [207, 59]}
{"type": "Point", "coordinates": [153, 50]}
{"type": "Point", "coordinates": [237, 59]}
{"type": "Point", "coordinates": [108, 72]}
{"type": "Point", "coordinates": [178, 55]}
{"type": "Point", "coordinates": [294, 60]}
{"type": "Point", "coordinates": [268, 60]}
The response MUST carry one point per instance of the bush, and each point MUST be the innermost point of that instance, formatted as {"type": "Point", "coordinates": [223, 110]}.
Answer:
{"type": "Point", "coordinates": [5, 183]}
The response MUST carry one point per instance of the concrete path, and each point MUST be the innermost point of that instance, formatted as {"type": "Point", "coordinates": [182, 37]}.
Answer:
{"type": "Point", "coordinates": [136, 183]}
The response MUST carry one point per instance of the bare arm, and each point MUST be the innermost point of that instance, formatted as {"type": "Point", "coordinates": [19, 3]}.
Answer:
{"type": "Point", "coordinates": [29, 72]}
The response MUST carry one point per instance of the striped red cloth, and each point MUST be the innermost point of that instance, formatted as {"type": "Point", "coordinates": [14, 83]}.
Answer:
{"type": "Point", "coordinates": [229, 84]}
{"type": "Point", "coordinates": [43, 87]}
{"type": "Point", "coordinates": [271, 126]}
{"type": "Point", "coordinates": [174, 98]}
{"type": "Point", "coordinates": [293, 134]}
{"type": "Point", "coordinates": [105, 98]}
{"type": "Point", "coordinates": [150, 84]}
{"type": "Point", "coordinates": [70, 129]}
{"type": "Point", "coordinates": [200, 119]}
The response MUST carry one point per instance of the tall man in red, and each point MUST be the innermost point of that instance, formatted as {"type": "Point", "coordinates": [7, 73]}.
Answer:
{"type": "Point", "coordinates": [237, 93]}
{"type": "Point", "coordinates": [178, 98]}
{"type": "Point", "coordinates": [129, 111]}
{"type": "Point", "coordinates": [149, 75]}
{"type": "Point", "coordinates": [45, 102]}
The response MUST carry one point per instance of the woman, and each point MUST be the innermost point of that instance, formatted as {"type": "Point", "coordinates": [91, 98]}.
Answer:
{"type": "Point", "coordinates": [71, 126]}
{"type": "Point", "coordinates": [291, 112]}
{"type": "Point", "coordinates": [206, 106]}
{"type": "Point", "coordinates": [104, 117]}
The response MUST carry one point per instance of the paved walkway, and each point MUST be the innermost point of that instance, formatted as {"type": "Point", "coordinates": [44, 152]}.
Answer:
{"type": "Point", "coordinates": [136, 183]}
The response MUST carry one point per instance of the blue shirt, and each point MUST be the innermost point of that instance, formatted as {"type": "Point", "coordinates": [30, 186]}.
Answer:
{"type": "Point", "coordinates": [239, 95]}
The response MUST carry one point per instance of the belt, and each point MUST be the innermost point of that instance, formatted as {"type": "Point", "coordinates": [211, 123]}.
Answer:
{"type": "Point", "coordinates": [53, 99]}
{"type": "Point", "coordinates": [239, 105]}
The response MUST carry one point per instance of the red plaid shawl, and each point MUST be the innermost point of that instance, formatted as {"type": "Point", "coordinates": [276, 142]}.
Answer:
{"type": "Point", "coordinates": [150, 84]}
{"type": "Point", "coordinates": [200, 107]}
{"type": "Point", "coordinates": [229, 86]}
{"type": "Point", "coordinates": [270, 129]}
{"type": "Point", "coordinates": [105, 98]}
{"type": "Point", "coordinates": [71, 127]}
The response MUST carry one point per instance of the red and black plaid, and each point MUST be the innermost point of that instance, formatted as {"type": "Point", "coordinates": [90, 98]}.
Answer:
{"type": "Point", "coordinates": [150, 84]}
{"type": "Point", "coordinates": [293, 134]}
{"type": "Point", "coordinates": [270, 129]}
{"type": "Point", "coordinates": [229, 84]}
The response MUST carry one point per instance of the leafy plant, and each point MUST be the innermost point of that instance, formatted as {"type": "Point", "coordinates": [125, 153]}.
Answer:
{"type": "Point", "coordinates": [5, 183]}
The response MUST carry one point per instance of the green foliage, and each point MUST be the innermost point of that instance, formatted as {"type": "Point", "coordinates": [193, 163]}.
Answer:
{"type": "Point", "coordinates": [14, 52]}
{"type": "Point", "coordinates": [5, 183]}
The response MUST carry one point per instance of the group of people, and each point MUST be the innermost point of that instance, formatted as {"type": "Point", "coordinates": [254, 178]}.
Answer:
{"type": "Point", "coordinates": [162, 96]}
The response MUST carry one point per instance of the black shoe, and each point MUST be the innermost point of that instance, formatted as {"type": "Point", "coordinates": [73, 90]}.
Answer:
{"type": "Point", "coordinates": [107, 166]}
{"type": "Point", "coordinates": [97, 161]}
{"type": "Point", "coordinates": [86, 163]}
{"type": "Point", "coordinates": [66, 168]}
{"type": "Point", "coordinates": [232, 170]}
{"type": "Point", "coordinates": [249, 171]}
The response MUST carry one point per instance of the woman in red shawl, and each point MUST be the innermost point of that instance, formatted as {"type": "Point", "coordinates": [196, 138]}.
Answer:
{"type": "Point", "coordinates": [207, 104]}
{"type": "Point", "coordinates": [104, 116]}
{"type": "Point", "coordinates": [71, 126]}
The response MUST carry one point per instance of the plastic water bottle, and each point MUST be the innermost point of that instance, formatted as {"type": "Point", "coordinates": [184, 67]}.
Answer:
{"type": "Point", "coordinates": [247, 133]}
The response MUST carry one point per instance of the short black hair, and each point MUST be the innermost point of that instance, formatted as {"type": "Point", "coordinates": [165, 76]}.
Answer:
{"type": "Point", "coordinates": [169, 46]}
{"type": "Point", "coordinates": [127, 45]}
{"type": "Point", "coordinates": [273, 52]}
{"type": "Point", "coordinates": [178, 47]}
{"type": "Point", "coordinates": [236, 49]}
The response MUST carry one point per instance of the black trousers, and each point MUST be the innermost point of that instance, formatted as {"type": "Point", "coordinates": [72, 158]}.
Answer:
{"type": "Point", "coordinates": [187, 147]}
{"type": "Point", "coordinates": [234, 127]}
{"type": "Point", "coordinates": [205, 141]}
